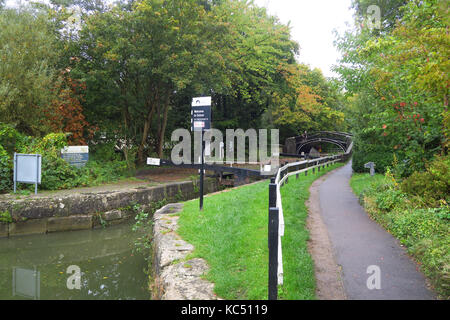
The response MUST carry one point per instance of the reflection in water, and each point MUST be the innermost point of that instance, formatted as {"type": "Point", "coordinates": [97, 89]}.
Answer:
{"type": "Point", "coordinates": [26, 283]}
{"type": "Point", "coordinates": [37, 266]}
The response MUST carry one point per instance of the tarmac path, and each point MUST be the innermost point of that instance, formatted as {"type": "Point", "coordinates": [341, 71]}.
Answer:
{"type": "Point", "coordinates": [363, 249]}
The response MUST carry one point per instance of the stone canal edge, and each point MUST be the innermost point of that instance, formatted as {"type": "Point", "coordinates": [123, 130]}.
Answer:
{"type": "Point", "coordinates": [87, 210]}
{"type": "Point", "coordinates": [174, 277]}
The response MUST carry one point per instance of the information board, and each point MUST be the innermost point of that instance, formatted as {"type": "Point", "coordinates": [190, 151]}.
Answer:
{"type": "Point", "coordinates": [76, 156]}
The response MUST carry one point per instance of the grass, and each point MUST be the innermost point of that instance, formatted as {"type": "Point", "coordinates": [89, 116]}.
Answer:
{"type": "Point", "coordinates": [362, 181]}
{"type": "Point", "coordinates": [231, 235]}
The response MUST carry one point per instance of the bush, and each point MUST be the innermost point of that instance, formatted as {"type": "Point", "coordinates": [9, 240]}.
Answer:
{"type": "Point", "coordinates": [101, 172]}
{"type": "Point", "coordinates": [418, 224]}
{"type": "Point", "coordinates": [57, 173]}
{"type": "Point", "coordinates": [105, 152]}
{"type": "Point", "coordinates": [50, 145]}
{"type": "Point", "coordinates": [388, 199]}
{"type": "Point", "coordinates": [425, 234]}
{"type": "Point", "coordinates": [433, 185]}
{"type": "Point", "coordinates": [5, 171]}
{"type": "Point", "coordinates": [364, 152]}
{"type": "Point", "coordinates": [11, 140]}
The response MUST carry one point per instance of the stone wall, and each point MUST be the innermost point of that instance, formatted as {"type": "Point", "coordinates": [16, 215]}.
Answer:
{"type": "Point", "coordinates": [80, 211]}
{"type": "Point", "coordinates": [174, 276]}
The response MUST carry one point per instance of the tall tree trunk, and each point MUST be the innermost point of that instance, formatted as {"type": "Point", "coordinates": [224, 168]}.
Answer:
{"type": "Point", "coordinates": [126, 123]}
{"type": "Point", "coordinates": [147, 123]}
{"type": "Point", "coordinates": [163, 126]}
{"type": "Point", "coordinates": [158, 128]}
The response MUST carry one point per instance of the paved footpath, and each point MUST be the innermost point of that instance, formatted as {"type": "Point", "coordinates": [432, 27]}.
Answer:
{"type": "Point", "coordinates": [359, 242]}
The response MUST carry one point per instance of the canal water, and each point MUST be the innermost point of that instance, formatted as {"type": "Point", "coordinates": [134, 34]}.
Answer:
{"type": "Point", "coordinates": [90, 265]}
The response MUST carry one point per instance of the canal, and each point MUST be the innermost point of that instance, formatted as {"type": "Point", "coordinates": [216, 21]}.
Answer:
{"type": "Point", "coordinates": [45, 266]}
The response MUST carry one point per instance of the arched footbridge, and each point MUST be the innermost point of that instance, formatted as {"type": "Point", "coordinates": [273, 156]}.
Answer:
{"type": "Point", "coordinates": [303, 143]}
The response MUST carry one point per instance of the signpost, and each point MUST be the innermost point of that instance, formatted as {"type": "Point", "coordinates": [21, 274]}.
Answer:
{"type": "Point", "coordinates": [201, 114]}
{"type": "Point", "coordinates": [201, 121]}
{"type": "Point", "coordinates": [371, 166]}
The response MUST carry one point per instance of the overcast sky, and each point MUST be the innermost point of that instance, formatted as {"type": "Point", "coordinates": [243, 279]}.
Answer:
{"type": "Point", "coordinates": [312, 23]}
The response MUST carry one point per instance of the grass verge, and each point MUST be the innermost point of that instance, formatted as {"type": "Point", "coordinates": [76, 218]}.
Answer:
{"type": "Point", "coordinates": [363, 181]}
{"type": "Point", "coordinates": [231, 235]}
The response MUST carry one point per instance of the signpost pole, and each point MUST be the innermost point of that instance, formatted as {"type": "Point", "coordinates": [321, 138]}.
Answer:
{"type": "Point", "coordinates": [202, 170]}
{"type": "Point", "coordinates": [201, 121]}
{"type": "Point", "coordinates": [15, 172]}
{"type": "Point", "coordinates": [37, 173]}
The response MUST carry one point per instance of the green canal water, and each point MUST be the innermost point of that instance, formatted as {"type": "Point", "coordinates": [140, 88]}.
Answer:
{"type": "Point", "coordinates": [37, 266]}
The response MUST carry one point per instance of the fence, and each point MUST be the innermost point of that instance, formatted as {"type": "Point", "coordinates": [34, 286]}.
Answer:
{"type": "Point", "coordinates": [276, 218]}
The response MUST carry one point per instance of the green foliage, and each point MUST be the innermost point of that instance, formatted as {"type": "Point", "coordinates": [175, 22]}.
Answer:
{"type": "Point", "coordinates": [5, 170]}
{"type": "Point", "coordinates": [386, 200]}
{"type": "Point", "coordinates": [307, 101]}
{"type": "Point", "coordinates": [28, 55]}
{"type": "Point", "coordinates": [104, 152]}
{"type": "Point", "coordinates": [413, 225]}
{"type": "Point", "coordinates": [361, 182]}
{"type": "Point", "coordinates": [144, 224]}
{"type": "Point", "coordinates": [398, 78]}
{"type": "Point", "coordinates": [51, 144]}
{"type": "Point", "coordinates": [57, 173]}
{"type": "Point", "coordinates": [364, 152]}
{"type": "Point", "coordinates": [5, 217]}
{"type": "Point", "coordinates": [431, 186]}
{"type": "Point", "coordinates": [12, 140]}
{"type": "Point", "coordinates": [389, 10]}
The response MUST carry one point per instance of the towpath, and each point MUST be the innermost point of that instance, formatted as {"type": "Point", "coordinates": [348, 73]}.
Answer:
{"type": "Point", "coordinates": [362, 249]}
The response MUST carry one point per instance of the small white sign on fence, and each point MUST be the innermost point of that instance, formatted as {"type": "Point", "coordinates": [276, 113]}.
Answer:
{"type": "Point", "coordinates": [153, 162]}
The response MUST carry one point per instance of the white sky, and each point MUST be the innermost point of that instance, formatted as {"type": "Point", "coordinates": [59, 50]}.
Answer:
{"type": "Point", "coordinates": [312, 23]}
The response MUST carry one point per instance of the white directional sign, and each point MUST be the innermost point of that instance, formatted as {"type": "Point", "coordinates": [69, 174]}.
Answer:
{"type": "Point", "coordinates": [201, 102]}
{"type": "Point", "coordinates": [153, 162]}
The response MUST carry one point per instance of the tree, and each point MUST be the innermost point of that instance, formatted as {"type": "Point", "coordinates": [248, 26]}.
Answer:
{"type": "Point", "coordinates": [303, 103]}
{"type": "Point", "coordinates": [66, 112]}
{"type": "Point", "coordinates": [147, 54]}
{"type": "Point", "coordinates": [389, 10]}
{"type": "Point", "coordinates": [401, 82]}
{"type": "Point", "coordinates": [27, 69]}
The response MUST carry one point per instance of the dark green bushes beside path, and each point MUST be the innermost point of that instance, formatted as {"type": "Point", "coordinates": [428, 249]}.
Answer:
{"type": "Point", "coordinates": [417, 218]}
{"type": "Point", "coordinates": [231, 235]}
